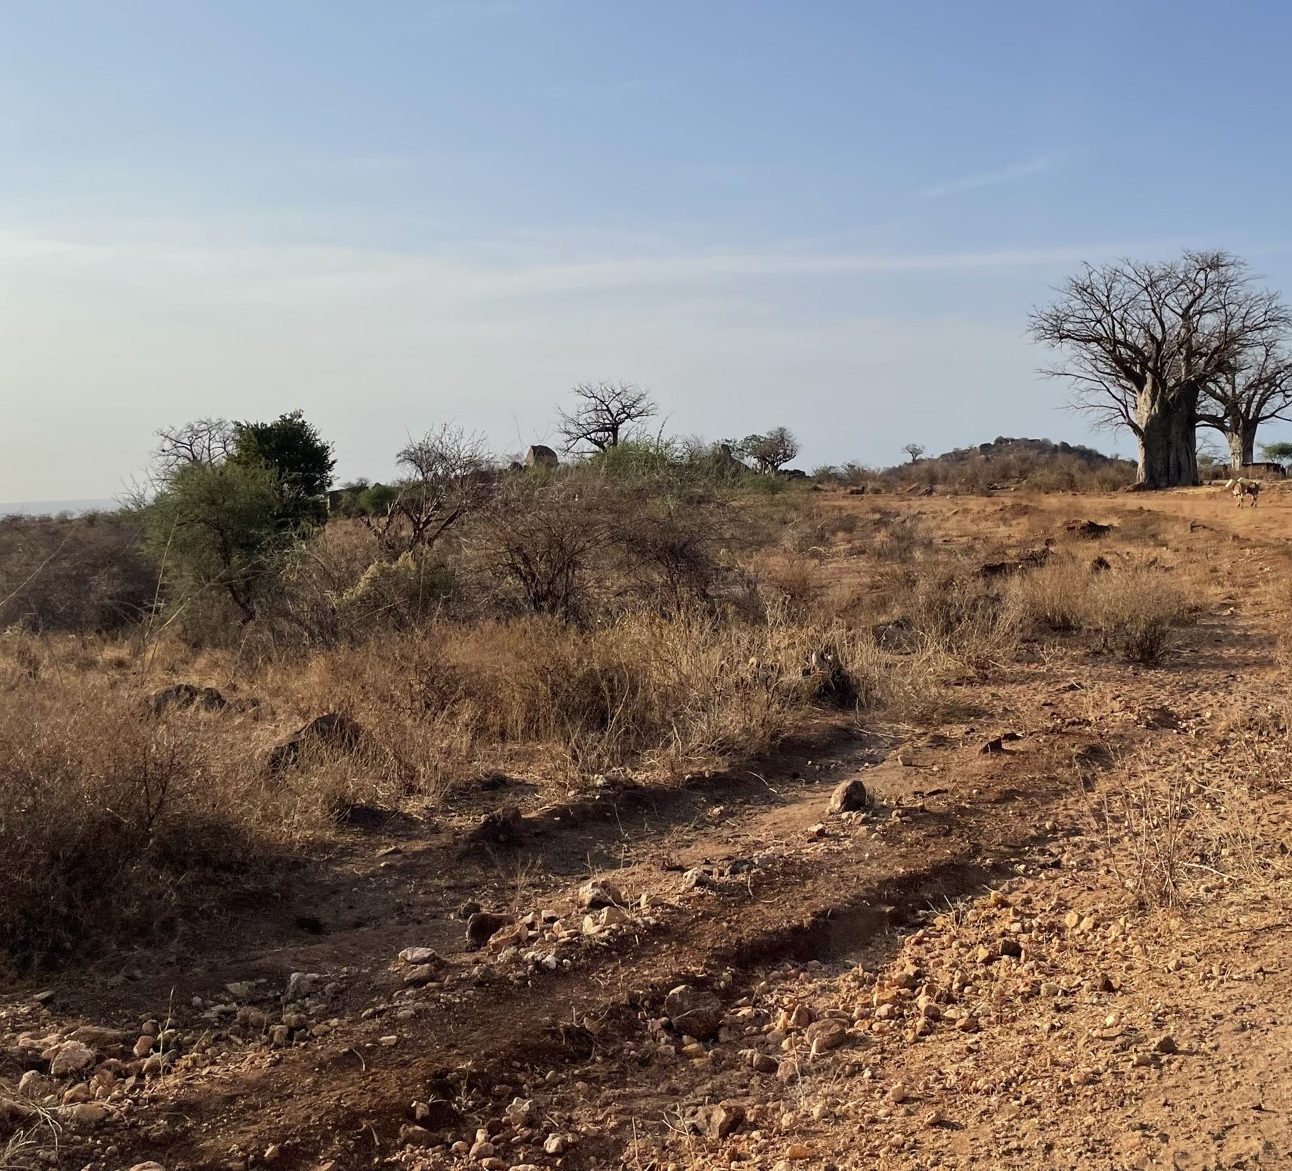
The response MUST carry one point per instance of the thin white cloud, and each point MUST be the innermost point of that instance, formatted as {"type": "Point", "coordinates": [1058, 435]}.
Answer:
{"type": "Point", "coordinates": [1024, 169]}
{"type": "Point", "coordinates": [474, 277]}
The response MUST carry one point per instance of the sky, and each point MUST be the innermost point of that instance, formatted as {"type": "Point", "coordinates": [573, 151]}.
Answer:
{"type": "Point", "coordinates": [829, 214]}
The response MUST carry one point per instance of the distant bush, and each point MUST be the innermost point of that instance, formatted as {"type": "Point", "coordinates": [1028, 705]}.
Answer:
{"type": "Point", "coordinates": [90, 574]}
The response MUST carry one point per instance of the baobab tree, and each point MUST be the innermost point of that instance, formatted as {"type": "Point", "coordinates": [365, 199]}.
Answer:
{"type": "Point", "coordinates": [605, 414]}
{"type": "Point", "coordinates": [1143, 342]}
{"type": "Point", "coordinates": [914, 450]}
{"type": "Point", "coordinates": [1249, 393]}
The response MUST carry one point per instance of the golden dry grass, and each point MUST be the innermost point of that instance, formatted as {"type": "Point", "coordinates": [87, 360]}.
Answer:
{"type": "Point", "coordinates": [108, 816]}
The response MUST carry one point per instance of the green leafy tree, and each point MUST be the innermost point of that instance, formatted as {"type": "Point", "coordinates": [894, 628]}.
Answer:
{"type": "Point", "coordinates": [1277, 453]}
{"type": "Point", "coordinates": [300, 458]}
{"type": "Point", "coordinates": [217, 529]}
{"type": "Point", "coordinates": [772, 451]}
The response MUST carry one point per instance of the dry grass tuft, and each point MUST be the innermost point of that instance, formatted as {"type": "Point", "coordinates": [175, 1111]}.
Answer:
{"type": "Point", "coordinates": [1133, 608]}
{"type": "Point", "coordinates": [1186, 825]}
{"type": "Point", "coordinates": [535, 694]}
{"type": "Point", "coordinates": [106, 817]}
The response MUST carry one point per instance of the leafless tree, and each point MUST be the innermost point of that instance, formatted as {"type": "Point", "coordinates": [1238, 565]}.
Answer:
{"type": "Point", "coordinates": [541, 541]}
{"type": "Point", "coordinates": [605, 414]}
{"type": "Point", "coordinates": [1143, 342]}
{"type": "Point", "coordinates": [447, 475]}
{"type": "Point", "coordinates": [772, 451]}
{"type": "Point", "coordinates": [914, 450]}
{"type": "Point", "coordinates": [1255, 390]}
{"type": "Point", "coordinates": [204, 441]}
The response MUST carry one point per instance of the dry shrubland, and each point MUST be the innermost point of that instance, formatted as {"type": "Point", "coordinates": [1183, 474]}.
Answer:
{"type": "Point", "coordinates": [578, 627]}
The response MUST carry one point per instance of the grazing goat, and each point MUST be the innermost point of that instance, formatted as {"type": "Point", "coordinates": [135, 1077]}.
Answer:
{"type": "Point", "coordinates": [1244, 489]}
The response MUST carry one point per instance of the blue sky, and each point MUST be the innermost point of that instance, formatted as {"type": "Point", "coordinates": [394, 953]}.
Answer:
{"type": "Point", "coordinates": [825, 214]}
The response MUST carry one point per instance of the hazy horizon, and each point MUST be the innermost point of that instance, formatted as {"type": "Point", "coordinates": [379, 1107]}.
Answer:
{"type": "Point", "coordinates": [834, 217]}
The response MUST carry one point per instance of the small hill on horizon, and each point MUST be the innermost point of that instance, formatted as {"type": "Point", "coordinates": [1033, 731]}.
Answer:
{"type": "Point", "coordinates": [1003, 447]}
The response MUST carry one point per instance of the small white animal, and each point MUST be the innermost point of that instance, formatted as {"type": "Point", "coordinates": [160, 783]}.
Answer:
{"type": "Point", "coordinates": [1244, 489]}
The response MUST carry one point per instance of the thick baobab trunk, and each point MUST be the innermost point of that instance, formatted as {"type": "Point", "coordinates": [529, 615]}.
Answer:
{"type": "Point", "coordinates": [1168, 445]}
{"type": "Point", "coordinates": [1242, 443]}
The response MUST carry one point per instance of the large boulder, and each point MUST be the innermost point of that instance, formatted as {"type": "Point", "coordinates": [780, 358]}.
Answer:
{"type": "Point", "coordinates": [332, 731]}
{"type": "Point", "coordinates": [541, 456]}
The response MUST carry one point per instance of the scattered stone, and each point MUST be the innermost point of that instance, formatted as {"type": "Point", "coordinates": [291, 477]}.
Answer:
{"type": "Point", "coordinates": [438, 1116]}
{"type": "Point", "coordinates": [332, 731]}
{"type": "Point", "coordinates": [897, 1094]}
{"type": "Point", "coordinates": [1166, 1044]}
{"type": "Point", "coordinates": [849, 797]}
{"type": "Point", "coordinates": [696, 878]}
{"type": "Point", "coordinates": [484, 925]}
{"type": "Point", "coordinates": [149, 1166]}
{"type": "Point", "coordinates": [72, 1057]}
{"type": "Point", "coordinates": [300, 985]}
{"type": "Point", "coordinates": [86, 1113]}
{"type": "Point", "coordinates": [420, 955]}
{"type": "Point", "coordinates": [693, 1011]}
{"type": "Point", "coordinates": [415, 1136]}
{"type": "Point", "coordinates": [420, 975]}
{"type": "Point", "coordinates": [185, 695]}
{"type": "Point", "coordinates": [717, 1122]}
{"type": "Point", "coordinates": [598, 893]}
{"type": "Point", "coordinates": [825, 1035]}
{"type": "Point", "coordinates": [502, 827]}
{"type": "Point", "coordinates": [1088, 528]}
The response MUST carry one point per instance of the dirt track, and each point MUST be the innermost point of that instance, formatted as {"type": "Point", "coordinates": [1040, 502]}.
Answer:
{"type": "Point", "coordinates": [802, 913]}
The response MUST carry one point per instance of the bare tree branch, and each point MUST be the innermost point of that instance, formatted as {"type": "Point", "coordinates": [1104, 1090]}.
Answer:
{"type": "Point", "coordinates": [605, 414]}
{"type": "Point", "coordinates": [448, 475]}
{"type": "Point", "coordinates": [204, 441]}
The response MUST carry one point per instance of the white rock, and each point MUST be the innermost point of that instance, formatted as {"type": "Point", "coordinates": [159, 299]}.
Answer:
{"type": "Point", "coordinates": [300, 985]}
{"type": "Point", "coordinates": [72, 1057]}
{"type": "Point", "coordinates": [599, 893]}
